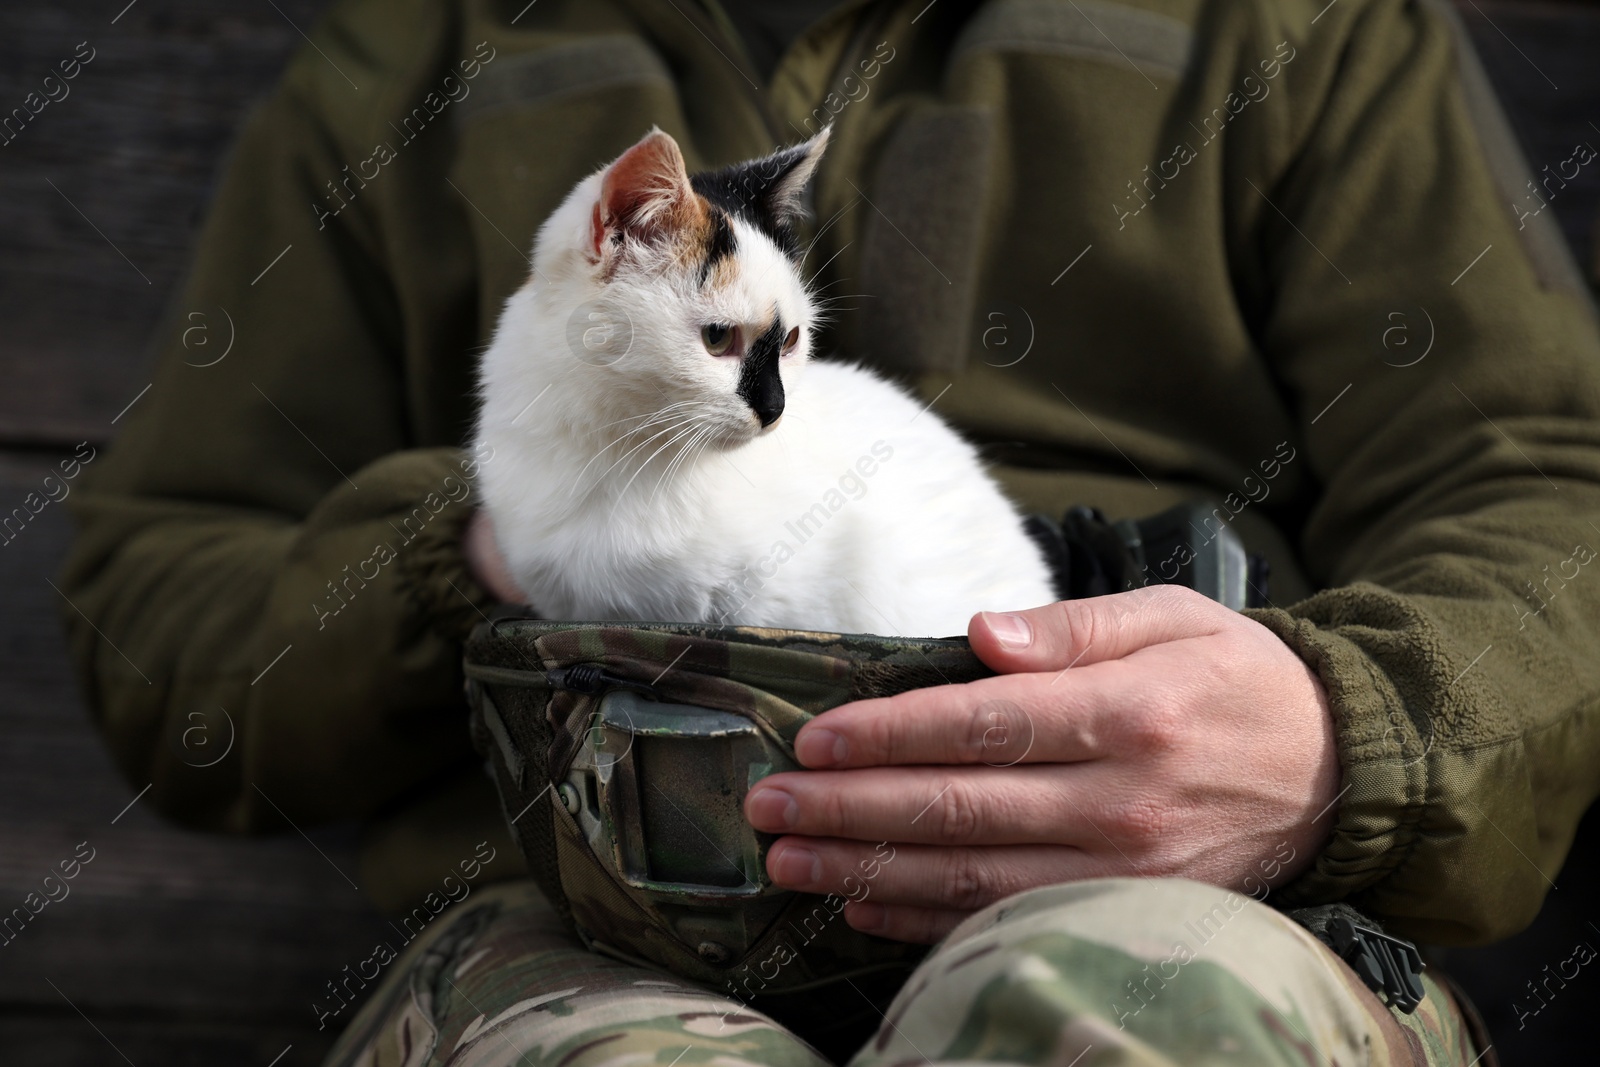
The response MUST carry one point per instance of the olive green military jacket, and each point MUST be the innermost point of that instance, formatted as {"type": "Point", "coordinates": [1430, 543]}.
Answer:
{"type": "Point", "coordinates": [1282, 254]}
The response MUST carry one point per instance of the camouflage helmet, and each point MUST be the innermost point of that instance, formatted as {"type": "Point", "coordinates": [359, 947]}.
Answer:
{"type": "Point", "coordinates": [622, 753]}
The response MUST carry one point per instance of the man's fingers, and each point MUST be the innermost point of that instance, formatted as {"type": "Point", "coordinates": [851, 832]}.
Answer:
{"type": "Point", "coordinates": [927, 876]}
{"type": "Point", "coordinates": [918, 926]}
{"type": "Point", "coordinates": [1000, 721]}
{"type": "Point", "coordinates": [1076, 633]}
{"type": "Point", "coordinates": [1025, 804]}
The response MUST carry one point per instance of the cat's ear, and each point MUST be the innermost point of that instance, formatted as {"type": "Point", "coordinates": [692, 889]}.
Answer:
{"type": "Point", "coordinates": [781, 178]}
{"type": "Point", "coordinates": [645, 194]}
{"type": "Point", "coordinates": [767, 192]}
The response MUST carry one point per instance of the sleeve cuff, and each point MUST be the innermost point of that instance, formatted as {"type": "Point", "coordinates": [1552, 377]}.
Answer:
{"type": "Point", "coordinates": [1382, 755]}
{"type": "Point", "coordinates": [426, 497]}
{"type": "Point", "coordinates": [437, 583]}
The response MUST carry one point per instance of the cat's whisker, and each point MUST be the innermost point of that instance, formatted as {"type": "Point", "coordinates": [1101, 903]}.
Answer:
{"type": "Point", "coordinates": [702, 435]}
{"type": "Point", "coordinates": [684, 432]}
{"type": "Point", "coordinates": [659, 433]}
{"type": "Point", "coordinates": [830, 259]}
{"type": "Point", "coordinates": [837, 215]}
{"type": "Point", "coordinates": [701, 444]}
{"type": "Point", "coordinates": [696, 422]}
{"type": "Point", "coordinates": [579, 478]}
{"type": "Point", "coordinates": [673, 464]}
{"type": "Point", "coordinates": [659, 412]}
{"type": "Point", "coordinates": [814, 287]}
{"type": "Point", "coordinates": [708, 441]}
{"type": "Point", "coordinates": [654, 414]}
{"type": "Point", "coordinates": [654, 418]}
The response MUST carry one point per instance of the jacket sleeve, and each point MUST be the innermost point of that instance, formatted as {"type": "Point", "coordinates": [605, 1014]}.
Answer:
{"type": "Point", "coordinates": [1446, 372]}
{"type": "Point", "coordinates": [266, 597]}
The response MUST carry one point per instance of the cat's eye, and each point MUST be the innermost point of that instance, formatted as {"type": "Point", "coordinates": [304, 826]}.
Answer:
{"type": "Point", "coordinates": [793, 339]}
{"type": "Point", "coordinates": [718, 338]}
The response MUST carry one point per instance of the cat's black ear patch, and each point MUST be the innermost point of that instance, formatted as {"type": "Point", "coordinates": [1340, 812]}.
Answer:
{"type": "Point", "coordinates": [766, 192]}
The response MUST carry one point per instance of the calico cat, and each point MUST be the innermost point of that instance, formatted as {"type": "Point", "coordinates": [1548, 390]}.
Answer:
{"type": "Point", "coordinates": [665, 449]}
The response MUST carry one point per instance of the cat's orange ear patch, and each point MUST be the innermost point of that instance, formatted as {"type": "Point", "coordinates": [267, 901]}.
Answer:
{"type": "Point", "coordinates": [646, 195]}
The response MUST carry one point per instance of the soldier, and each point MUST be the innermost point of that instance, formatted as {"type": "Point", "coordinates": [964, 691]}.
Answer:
{"type": "Point", "coordinates": [1257, 251]}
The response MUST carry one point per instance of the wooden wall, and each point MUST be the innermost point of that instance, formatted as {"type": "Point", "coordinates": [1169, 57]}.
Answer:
{"type": "Point", "coordinates": [175, 948]}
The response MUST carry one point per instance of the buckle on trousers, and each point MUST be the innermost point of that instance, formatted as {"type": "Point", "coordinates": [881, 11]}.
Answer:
{"type": "Point", "coordinates": [1390, 967]}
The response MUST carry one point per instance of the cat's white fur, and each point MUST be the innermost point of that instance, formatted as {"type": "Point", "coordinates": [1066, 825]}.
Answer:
{"type": "Point", "coordinates": [701, 523]}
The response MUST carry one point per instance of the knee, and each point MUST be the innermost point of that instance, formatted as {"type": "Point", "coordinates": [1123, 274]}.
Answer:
{"type": "Point", "coordinates": [1104, 905]}
{"type": "Point", "coordinates": [1154, 919]}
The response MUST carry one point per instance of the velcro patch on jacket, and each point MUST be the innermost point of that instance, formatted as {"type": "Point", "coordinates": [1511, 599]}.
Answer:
{"type": "Point", "coordinates": [1155, 45]}
{"type": "Point", "coordinates": [578, 67]}
{"type": "Point", "coordinates": [922, 239]}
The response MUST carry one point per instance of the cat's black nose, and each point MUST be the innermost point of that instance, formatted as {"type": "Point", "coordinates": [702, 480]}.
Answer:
{"type": "Point", "coordinates": [769, 408]}
{"type": "Point", "coordinates": [759, 382]}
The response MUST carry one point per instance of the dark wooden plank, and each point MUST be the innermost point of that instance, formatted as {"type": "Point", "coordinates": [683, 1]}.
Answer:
{"type": "Point", "coordinates": [196, 955]}
{"type": "Point", "coordinates": [1541, 58]}
{"type": "Point", "coordinates": [33, 659]}
{"type": "Point", "coordinates": [67, 1040]}
{"type": "Point", "coordinates": [183, 947]}
{"type": "Point", "coordinates": [134, 147]}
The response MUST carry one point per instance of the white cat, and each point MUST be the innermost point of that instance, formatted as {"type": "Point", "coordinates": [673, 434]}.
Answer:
{"type": "Point", "coordinates": [664, 450]}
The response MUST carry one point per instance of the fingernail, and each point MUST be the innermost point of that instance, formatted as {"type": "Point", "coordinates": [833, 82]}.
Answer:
{"type": "Point", "coordinates": [797, 867]}
{"type": "Point", "coordinates": [1012, 631]}
{"type": "Point", "coordinates": [866, 917]}
{"type": "Point", "coordinates": [772, 809]}
{"type": "Point", "coordinates": [821, 747]}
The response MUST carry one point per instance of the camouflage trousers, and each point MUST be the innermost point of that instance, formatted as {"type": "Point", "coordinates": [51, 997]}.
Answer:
{"type": "Point", "coordinates": [1123, 971]}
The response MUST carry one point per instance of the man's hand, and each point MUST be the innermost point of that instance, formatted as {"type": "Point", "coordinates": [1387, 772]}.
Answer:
{"type": "Point", "coordinates": [485, 562]}
{"type": "Point", "coordinates": [1147, 733]}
